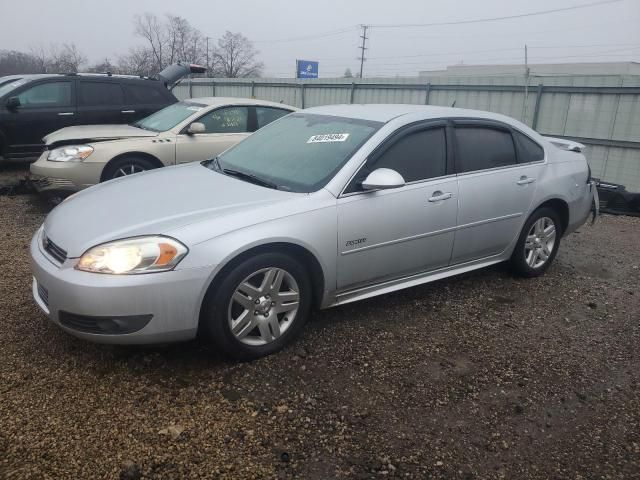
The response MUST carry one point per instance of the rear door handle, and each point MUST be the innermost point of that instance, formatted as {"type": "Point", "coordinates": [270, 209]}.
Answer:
{"type": "Point", "coordinates": [66, 114]}
{"type": "Point", "coordinates": [525, 180]}
{"type": "Point", "coordinates": [128, 111]}
{"type": "Point", "coordinates": [439, 196]}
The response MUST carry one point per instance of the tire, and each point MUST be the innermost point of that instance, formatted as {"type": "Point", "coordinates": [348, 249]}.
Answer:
{"type": "Point", "coordinates": [528, 259]}
{"type": "Point", "coordinates": [264, 328]}
{"type": "Point", "coordinates": [127, 166]}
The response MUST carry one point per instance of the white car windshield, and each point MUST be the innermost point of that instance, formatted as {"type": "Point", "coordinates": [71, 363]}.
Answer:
{"type": "Point", "coordinates": [300, 152]}
{"type": "Point", "coordinates": [169, 117]}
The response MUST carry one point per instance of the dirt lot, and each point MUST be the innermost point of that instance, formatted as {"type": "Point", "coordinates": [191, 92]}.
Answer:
{"type": "Point", "coordinates": [483, 376]}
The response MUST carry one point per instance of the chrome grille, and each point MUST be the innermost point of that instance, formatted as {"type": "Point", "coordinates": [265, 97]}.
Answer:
{"type": "Point", "coordinates": [54, 250]}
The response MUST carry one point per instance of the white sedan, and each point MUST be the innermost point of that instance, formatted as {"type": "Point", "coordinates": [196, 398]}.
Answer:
{"type": "Point", "coordinates": [187, 131]}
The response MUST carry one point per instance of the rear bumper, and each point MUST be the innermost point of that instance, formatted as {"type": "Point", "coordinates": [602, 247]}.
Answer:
{"type": "Point", "coordinates": [151, 308]}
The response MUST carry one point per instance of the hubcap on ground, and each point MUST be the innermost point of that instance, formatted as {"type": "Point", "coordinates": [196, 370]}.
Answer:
{"type": "Point", "coordinates": [540, 242]}
{"type": "Point", "coordinates": [263, 306]}
{"type": "Point", "coordinates": [128, 170]}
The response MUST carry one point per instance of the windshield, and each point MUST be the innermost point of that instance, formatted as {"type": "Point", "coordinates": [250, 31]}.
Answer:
{"type": "Point", "coordinates": [169, 117]}
{"type": "Point", "coordinates": [6, 85]}
{"type": "Point", "coordinates": [300, 152]}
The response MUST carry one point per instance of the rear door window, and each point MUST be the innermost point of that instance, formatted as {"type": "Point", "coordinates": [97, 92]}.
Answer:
{"type": "Point", "coordinates": [51, 94]}
{"type": "Point", "coordinates": [482, 148]}
{"type": "Point", "coordinates": [266, 115]}
{"type": "Point", "coordinates": [100, 94]}
{"type": "Point", "coordinates": [143, 95]}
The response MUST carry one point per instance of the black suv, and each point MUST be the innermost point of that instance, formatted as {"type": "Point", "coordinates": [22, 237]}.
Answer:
{"type": "Point", "coordinates": [32, 106]}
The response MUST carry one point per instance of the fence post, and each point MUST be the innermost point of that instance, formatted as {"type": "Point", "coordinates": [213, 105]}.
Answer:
{"type": "Point", "coordinates": [427, 90]}
{"type": "Point", "coordinates": [302, 95]}
{"type": "Point", "coordinates": [213, 87]}
{"type": "Point", "coordinates": [190, 87]}
{"type": "Point", "coordinates": [536, 108]}
{"type": "Point", "coordinates": [253, 89]}
{"type": "Point", "coordinates": [353, 89]}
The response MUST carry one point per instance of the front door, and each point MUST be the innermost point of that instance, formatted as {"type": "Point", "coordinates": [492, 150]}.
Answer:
{"type": "Point", "coordinates": [44, 108]}
{"type": "Point", "coordinates": [495, 191]}
{"type": "Point", "coordinates": [392, 233]}
{"type": "Point", "coordinates": [224, 127]}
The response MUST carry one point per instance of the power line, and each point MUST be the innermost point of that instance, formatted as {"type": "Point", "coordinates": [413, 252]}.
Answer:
{"type": "Point", "coordinates": [494, 19]}
{"type": "Point", "coordinates": [330, 33]}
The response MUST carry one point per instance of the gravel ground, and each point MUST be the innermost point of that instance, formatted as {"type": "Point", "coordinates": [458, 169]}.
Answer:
{"type": "Point", "coordinates": [481, 376]}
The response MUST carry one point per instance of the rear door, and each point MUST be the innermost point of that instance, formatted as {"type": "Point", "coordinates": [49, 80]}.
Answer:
{"type": "Point", "coordinates": [224, 127]}
{"type": "Point", "coordinates": [45, 106]}
{"type": "Point", "coordinates": [265, 115]}
{"type": "Point", "coordinates": [99, 102]}
{"type": "Point", "coordinates": [142, 99]}
{"type": "Point", "coordinates": [495, 190]}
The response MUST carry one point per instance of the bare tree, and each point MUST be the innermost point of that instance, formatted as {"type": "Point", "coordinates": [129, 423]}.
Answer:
{"type": "Point", "coordinates": [13, 62]}
{"type": "Point", "coordinates": [65, 58]}
{"type": "Point", "coordinates": [149, 27]}
{"type": "Point", "coordinates": [347, 73]}
{"type": "Point", "coordinates": [236, 57]}
{"type": "Point", "coordinates": [139, 61]}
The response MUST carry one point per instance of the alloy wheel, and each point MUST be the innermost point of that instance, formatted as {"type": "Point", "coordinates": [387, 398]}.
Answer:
{"type": "Point", "coordinates": [540, 242]}
{"type": "Point", "coordinates": [263, 306]}
{"type": "Point", "coordinates": [128, 170]}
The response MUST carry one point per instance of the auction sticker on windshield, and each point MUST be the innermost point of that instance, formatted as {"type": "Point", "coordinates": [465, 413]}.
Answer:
{"type": "Point", "coordinates": [328, 137]}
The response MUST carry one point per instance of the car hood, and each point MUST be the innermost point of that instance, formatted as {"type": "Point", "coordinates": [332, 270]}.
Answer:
{"type": "Point", "coordinates": [88, 133]}
{"type": "Point", "coordinates": [152, 203]}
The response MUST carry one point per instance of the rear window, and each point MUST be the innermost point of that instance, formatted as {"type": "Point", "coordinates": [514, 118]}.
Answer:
{"type": "Point", "coordinates": [142, 94]}
{"type": "Point", "coordinates": [482, 148]}
{"type": "Point", "coordinates": [100, 93]}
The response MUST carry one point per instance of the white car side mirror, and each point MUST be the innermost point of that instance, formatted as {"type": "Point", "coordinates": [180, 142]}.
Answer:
{"type": "Point", "coordinates": [196, 127]}
{"type": "Point", "coordinates": [382, 179]}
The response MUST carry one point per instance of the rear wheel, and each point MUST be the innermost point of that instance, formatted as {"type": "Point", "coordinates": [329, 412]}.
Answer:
{"type": "Point", "coordinates": [258, 307]}
{"type": "Point", "coordinates": [538, 243]}
{"type": "Point", "coordinates": [127, 166]}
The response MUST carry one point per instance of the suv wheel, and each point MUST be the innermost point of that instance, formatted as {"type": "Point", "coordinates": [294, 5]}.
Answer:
{"type": "Point", "coordinates": [258, 307]}
{"type": "Point", "coordinates": [538, 243]}
{"type": "Point", "coordinates": [127, 166]}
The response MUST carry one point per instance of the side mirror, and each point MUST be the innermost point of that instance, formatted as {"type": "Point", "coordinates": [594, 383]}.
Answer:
{"type": "Point", "coordinates": [13, 103]}
{"type": "Point", "coordinates": [196, 127]}
{"type": "Point", "coordinates": [383, 179]}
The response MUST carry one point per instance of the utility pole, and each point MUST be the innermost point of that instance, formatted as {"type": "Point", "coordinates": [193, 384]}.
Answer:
{"type": "Point", "coordinates": [363, 47]}
{"type": "Point", "coordinates": [208, 72]}
{"type": "Point", "coordinates": [526, 85]}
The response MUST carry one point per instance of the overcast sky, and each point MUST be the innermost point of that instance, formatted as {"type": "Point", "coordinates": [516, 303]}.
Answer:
{"type": "Point", "coordinates": [105, 29]}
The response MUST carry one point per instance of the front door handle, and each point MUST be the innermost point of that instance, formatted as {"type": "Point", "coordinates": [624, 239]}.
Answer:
{"type": "Point", "coordinates": [439, 196]}
{"type": "Point", "coordinates": [127, 111]}
{"type": "Point", "coordinates": [524, 180]}
{"type": "Point", "coordinates": [66, 114]}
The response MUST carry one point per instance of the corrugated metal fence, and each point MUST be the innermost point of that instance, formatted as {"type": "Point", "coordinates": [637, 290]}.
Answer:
{"type": "Point", "coordinates": [603, 112]}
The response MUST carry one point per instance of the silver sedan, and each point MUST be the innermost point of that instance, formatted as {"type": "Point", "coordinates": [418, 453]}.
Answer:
{"type": "Point", "coordinates": [323, 207]}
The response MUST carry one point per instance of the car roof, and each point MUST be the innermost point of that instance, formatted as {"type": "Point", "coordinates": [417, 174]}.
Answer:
{"type": "Point", "coordinates": [217, 101]}
{"type": "Point", "coordinates": [387, 112]}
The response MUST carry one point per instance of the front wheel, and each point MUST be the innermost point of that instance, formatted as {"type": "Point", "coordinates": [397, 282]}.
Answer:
{"type": "Point", "coordinates": [127, 166]}
{"type": "Point", "coordinates": [538, 243]}
{"type": "Point", "coordinates": [258, 307]}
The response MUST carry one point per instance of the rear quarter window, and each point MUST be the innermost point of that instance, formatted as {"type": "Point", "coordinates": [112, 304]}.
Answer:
{"type": "Point", "coordinates": [528, 150]}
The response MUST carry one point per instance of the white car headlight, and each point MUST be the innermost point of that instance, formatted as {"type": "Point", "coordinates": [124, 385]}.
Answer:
{"type": "Point", "coordinates": [133, 255]}
{"type": "Point", "coordinates": [70, 153]}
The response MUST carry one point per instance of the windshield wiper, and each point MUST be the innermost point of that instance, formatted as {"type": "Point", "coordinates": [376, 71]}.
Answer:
{"type": "Point", "coordinates": [249, 177]}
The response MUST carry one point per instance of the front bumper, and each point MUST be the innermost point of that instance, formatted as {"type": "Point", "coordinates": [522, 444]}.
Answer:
{"type": "Point", "coordinates": [63, 177]}
{"type": "Point", "coordinates": [169, 301]}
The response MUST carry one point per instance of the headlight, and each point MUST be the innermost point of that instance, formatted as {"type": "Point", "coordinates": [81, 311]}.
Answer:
{"type": "Point", "coordinates": [133, 255]}
{"type": "Point", "coordinates": [71, 153]}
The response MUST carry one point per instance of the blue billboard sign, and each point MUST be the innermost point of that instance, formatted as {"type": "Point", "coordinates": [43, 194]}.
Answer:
{"type": "Point", "coordinates": [306, 69]}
